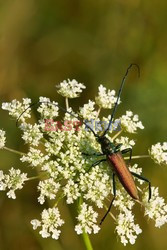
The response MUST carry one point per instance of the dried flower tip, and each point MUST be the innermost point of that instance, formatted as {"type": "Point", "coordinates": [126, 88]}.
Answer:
{"type": "Point", "coordinates": [70, 88]}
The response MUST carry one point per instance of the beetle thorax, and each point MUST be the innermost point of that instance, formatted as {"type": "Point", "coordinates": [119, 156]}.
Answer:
{"type": "Point", "coordinates": [107, 146]}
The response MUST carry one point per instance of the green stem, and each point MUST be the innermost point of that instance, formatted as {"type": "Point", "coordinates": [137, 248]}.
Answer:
{"type": "Point", "coordinates": [85, 236]}
{"type": "Point", "coordinates": [13, 151]}
{"type": "Point", "coordinates": [138, 157]}
{"type": "Point", "coordinates": [87, 241]}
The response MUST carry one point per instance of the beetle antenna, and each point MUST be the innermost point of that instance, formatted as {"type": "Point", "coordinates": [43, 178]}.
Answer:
{"type": "Point", "coordinates": [119, 94]}
{"type": "Point", "coordinates": [31, 105]}
{"type": "Point", "coordinates": [66, 111]}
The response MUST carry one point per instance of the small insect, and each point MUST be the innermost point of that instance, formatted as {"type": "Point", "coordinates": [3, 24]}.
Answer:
{"type": "Point", "coordinates": [114, 157]}
{"type": "Point", "coordinates": [113, 154]}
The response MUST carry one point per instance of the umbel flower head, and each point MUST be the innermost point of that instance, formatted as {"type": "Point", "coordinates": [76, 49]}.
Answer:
{"type": "Point", "coordinates": [64, 155]}
{"type": "Point", "coordinates": [2, 138]}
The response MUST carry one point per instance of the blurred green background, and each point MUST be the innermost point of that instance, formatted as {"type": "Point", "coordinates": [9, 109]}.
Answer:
{"type": "Point", "coordinates": [45, 42]}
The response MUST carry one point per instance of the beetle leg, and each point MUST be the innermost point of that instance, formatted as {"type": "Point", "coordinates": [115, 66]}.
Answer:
{"type": "Point", "coordinates": [146, 180]}
{"type": "Point", "coordinates": [128, 150]}
{"type": "Point", "coordinates": [118, 146]}
{"type": "Point", "coordinates": [96, 163]}
{"type": "Point", "coordinates": [114, 192]}
{"type": "Point", "coordinates": [93, 154]}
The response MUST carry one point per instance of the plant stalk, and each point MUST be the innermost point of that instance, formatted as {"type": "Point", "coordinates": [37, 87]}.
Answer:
{"type": "Point", "coordinates": [87, 242]}
{"type": "Point", "coordinates": [13, 151]}
{"type": "Point", "coordinates": [138, 157]}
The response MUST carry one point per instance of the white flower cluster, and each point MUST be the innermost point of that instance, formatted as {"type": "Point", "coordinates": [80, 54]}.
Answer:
{"type": "Point", "coordinates": [130, 122]}
{"type": "Point", "coordinates": [96, 185]}
{"type": "Point", "coordinates": [105, 99]}
{"type": "Point", "coordinates": [18, 109]}
{"type": "Point", "coordinates": [126, 143]}
{"type": "Point", "coordinates": [34, 157]}
{"type": "Point", "coordinates": [50, 222]}
{"type": "Point", "coordinates": [32, 134]}
{"type": "Point", "coordinates": [87, 220]}
{"type": "Point", "coordinates": [47, 109]}
{"type": "Point", "coordinates": [48, 188]}
{"type": "Point", "coordinates": [70, 88]}
{"type": "Point", "coordinates": [88, 111]}
{"type": "Point", "coordinates": [12, 181]}
{"type": "Point", "coordinates": [65, 172]}
{"type": "Point", "coordinates": [2, 138]}
{"type": "Point", "coordinates": [71, 191]}
{"type": "Point", "coordinates": [126, 229]}
{"type": "Point", "coordinates": [159, 153]}
{"type": "Point", "coordinates": [155, 209]}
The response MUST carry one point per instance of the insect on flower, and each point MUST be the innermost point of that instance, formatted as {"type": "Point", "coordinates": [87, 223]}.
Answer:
{"type": "Point", "coordinates": [113, 153]}
{"type": "Point", "coordinates": [115, 159]}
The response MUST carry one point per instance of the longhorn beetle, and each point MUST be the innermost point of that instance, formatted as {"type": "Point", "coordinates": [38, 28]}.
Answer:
{"type": "Point", "coordinates": [113, 153]}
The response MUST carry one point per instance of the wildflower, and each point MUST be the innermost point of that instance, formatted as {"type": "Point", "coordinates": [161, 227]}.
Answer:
{"type": "Point", "coordinates": [2, 138]}
{"type": "Point", "coordinates": [159, 153]}
{"type": "Point", "coordinates": [130, 122]}
{"type": "Point", "coordinates": [47, 109]}
{"type": "Point", "coordinates": [35, 157]}
{"type": "Point", "coordinates": [52, 168]}
{"type": "Point", "coordinates": [50, 222]}
{"type": "Point", "coordinates": [32, 134]}
{"type": "Point", "coordinates": [96, 185]}
{"type": "Point", "coordinates": [155, 209]}
{"type": "Point", "coordinates": [17, 108]}
{"type": "Point", "coordinates": [125, 141]}
{"type": "Point", "coordinates": [88, 111]}
{"type": "Point", "coordinates": [12, 181]}
{"type": "Point", "coordinates": [126, 229]}
{"type": "Point", "coordinates": [66, 172]}
{"type": "Point", "coordinates": [87, 220]}
{"type": "Point", "coordinates": [48, 188]}
{"type": "Point", "coordinates": [72, 191]}
{"type": "Point", "coordinates": [105, 99]}
{"type": "Point", "coordinates": [70, 88]}
{"type": "Point", "coordinates": [2, 182]}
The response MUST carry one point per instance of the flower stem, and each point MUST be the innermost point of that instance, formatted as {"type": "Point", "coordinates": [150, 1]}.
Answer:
{"type": "Point", "coordinates": [13, 151]}
{"type": "Point", "coordinates": [138, 157]}
{"type": "Point", "coordinates": [67, 104]}
{"type": "Point", "coordinates": [87, 241]}
{"type": "Point", "coordinates": [98, 112]}
{"type": "Point", "coordinates": [116, 135]}
{"type": "Point", "coordinates": [33, 178]}
{"type": "Point", "coordinates": [85, 236]}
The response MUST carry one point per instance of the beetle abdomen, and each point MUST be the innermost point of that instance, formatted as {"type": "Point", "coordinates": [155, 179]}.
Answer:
{"type": "Point", "coordinates": [123, 174]}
